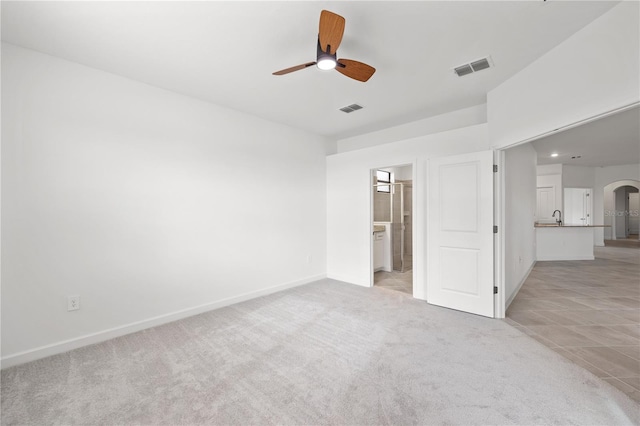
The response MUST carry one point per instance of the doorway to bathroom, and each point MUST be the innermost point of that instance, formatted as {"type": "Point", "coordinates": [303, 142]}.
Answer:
{"type": "Point", "coordinates": [392, 237]}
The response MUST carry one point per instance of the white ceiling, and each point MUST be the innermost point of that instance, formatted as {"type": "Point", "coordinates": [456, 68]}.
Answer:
{"type": "Point", "coordinates": [225, 52]}
{"type": "Point", "coordinates": [609, 141]}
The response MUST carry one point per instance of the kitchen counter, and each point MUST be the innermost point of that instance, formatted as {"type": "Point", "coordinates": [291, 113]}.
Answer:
{"type": "Point", "coordinates": [573, 242]}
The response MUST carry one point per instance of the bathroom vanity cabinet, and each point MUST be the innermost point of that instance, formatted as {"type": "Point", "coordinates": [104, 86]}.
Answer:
{"type": "Point", "coordinates": [382, 246]}
{"type": "Point", "coordinates": [378, 251]}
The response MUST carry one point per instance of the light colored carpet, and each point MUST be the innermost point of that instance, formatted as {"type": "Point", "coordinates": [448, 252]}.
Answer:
{"type": "Point", "coordinates": [323, 353]}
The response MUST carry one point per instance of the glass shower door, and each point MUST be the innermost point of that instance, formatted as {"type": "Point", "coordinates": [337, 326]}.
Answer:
{"type": "Point", "coordinates": [401, 233]}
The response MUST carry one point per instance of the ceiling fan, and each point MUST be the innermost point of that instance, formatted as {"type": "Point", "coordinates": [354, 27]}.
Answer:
{"type": "Point", "coordinates": [329, 38]}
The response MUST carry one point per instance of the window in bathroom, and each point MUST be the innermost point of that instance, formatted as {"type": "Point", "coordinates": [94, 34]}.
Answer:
{"type": "Point", "coordinates": [383, 177]}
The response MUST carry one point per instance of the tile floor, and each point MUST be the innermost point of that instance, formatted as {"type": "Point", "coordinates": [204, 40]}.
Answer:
{"type": "Point", "coordinates": [631, 241]}
{"type": "Point", "coordinates": [589, 312]}
{"type": "Point", "coordinates": [399, 281]}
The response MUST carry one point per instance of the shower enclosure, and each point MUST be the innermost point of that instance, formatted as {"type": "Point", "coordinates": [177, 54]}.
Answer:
{"type": "Point", "coordinates": [393, 205]}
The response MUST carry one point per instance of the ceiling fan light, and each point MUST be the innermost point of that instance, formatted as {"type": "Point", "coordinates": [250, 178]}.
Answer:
{"type": "Point", "coordinates": [326, 64]}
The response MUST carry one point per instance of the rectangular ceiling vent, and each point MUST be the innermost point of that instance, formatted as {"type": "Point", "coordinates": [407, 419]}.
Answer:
{"type": "Point", "coordinates": [475, 66]}
{"type": "Point", "coordinates": [351, 108]}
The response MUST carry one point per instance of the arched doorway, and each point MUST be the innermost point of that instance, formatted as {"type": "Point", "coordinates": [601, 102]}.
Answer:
{"type": "Point", "coordinates": [621, 209]}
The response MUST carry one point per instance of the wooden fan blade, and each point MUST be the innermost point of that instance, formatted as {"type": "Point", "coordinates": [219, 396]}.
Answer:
{"type": "Point", "coordinates": [331, 30]}
{"type": "Point", "coordinates": [354, 69]}
{"type": "Point", "coordinates": [292, 69]}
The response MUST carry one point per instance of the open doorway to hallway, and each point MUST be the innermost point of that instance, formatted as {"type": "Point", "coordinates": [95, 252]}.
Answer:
{"type": "Point", "coordinates": [587, 311]}
{"type": "Point", "coordinates": [581, 297]}
{"type": "Point", "coordinates": [392, 239]}
{"type": "Point", "coordinates": [622, 208]}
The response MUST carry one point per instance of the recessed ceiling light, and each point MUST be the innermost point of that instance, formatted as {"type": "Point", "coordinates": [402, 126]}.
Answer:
{"type": "Point", "coordinates": [555, 154]}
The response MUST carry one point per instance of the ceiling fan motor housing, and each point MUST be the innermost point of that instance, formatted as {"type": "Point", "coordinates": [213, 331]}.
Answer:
{"type": "Point", "coordinates": [326, 60]}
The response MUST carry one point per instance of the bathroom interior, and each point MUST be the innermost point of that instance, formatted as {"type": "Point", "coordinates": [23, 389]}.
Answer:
{"type": "Point", "coordinates": [392, 228]}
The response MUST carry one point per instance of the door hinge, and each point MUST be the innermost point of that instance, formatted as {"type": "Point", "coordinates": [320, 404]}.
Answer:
{"type": "Point", "coordinates": [495, 168]}
{"type": "Point", "coordinates": [495, 229]}
{"type": "Point", "coordinates": [495, 290]}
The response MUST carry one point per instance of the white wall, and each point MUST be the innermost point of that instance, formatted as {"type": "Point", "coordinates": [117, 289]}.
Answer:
{"type": "Point", "coordinates": [578, 176]}
{"type": "Point", "coordinates": [349, 198]}
{"type": "Point", "coordinates": [519, 211]}
{"type": "Point", "coordinates": [603, 197]}
{"type": "Point", "coordinates": [592, 72]}
{"type": "Point", "coordinates": [143, 202]}
{"type": "Point", "coordinates": [549, 169]}
{"type": "Point", "coordinates": [427, 126]}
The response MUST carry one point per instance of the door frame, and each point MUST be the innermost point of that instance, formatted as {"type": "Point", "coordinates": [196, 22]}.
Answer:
{"type": "Point", "coordinates": [499, 272]}
{"type": "Point", "coordinates": [419, 212]}
{"type": "Point", "coordinates": [630, 210]}
{"type": "Point", "coordinates": [500, 191]}
{"type": "Point", "coordinates": [609, 190]}
{"type": "Point", "coordinates": [416, 249]}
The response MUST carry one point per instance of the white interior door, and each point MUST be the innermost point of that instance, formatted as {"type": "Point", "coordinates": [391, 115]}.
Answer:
{"type": "Point", "coordinates": [577, 206]}
{"type": "Point", "coordinates": [460, 233]}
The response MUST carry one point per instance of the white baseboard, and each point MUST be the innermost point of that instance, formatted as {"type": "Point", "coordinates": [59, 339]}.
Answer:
{"type": "Point", "coordinates": [347, 280]}
{"type": "Point", "coordinates": [101, 336]}
{"type": "Point", "coordinates": [547, 258]}
{"type": "Point", "coordinates": [520, 284]}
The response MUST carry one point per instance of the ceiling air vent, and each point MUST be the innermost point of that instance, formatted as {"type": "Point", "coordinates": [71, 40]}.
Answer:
{"type": "Point", "coordinates": [351, 108]}
{"type": "Point", "coordinates": [480, 65]}
{"type": "Point", "coordinates": [463, 70]}
{"type": "Point", "coordinates": [475, 66]}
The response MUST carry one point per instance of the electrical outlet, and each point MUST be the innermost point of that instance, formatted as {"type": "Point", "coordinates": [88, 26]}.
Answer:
{"type": "Point", "coordinates": [73, 303]}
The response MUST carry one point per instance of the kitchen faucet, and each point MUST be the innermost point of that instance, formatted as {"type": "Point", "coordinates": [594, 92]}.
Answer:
{"type": "Point", "coordinates": [559, 218]}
